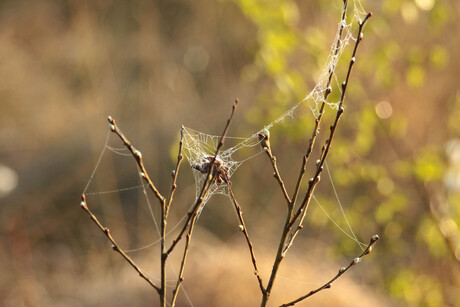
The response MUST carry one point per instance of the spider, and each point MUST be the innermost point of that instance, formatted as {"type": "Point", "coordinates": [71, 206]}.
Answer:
{"type": "Point", "coordinates": [220, 172]}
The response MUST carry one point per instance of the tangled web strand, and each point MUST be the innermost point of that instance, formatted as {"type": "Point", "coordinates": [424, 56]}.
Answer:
{"type": "Point", "coordinates": [199, 146]}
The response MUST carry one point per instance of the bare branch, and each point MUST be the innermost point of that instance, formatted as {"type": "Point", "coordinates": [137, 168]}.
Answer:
{"type": "Point", "coordinates": [288, 224]}
{"type": "Point", "coordinates": [193, 214]}
{"type": "Point", "coordinates": [342, 271]}
{"type": "Point", "coordinates": [302, 210]}
{"type": "Point", "coordinates": [115, 246]}
{"type": "Point", "coordinates": [318, 119]}
{"type": "Point", "coordinates": [265, 143]}
{"type": "Point", "coordinates": [207, 183]}
{"type": "Point", "coordinates": [244, 230]}
{"type": "Point", "coordinates": [175, 171]}
{"type": "Point", "coordinates": [138, 156]}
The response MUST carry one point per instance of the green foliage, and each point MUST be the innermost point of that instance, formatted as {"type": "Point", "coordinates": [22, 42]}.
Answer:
{"type": "Point", "coordinates": [429, 166]}
{"type": "Point", "coordinates": [416, 289]}
{"type": "Point", "coordinates": [387, 209]}
{"type": "Point", "coordinates": [428, 233]}
{"type": "Point", "coordinates": [380, 165]}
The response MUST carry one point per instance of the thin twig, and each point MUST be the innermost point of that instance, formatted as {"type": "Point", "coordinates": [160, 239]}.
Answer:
{"type": "Point", "coordinates": [193, 214]}
{"type": "Point", "coordinates": [138, 156]}
{"type": "Point", "coordinates": [302, 210]}
{"type": "Point", "coordinates": [342, 271]}
{"type": "Point", "coordinates": [288, 225]}
{"type": "Point", "coordinates": [206, 183]}
{"type": "Point", "coordinates": [265, 142]}
{"type": "Point", "coordinates": [115, 246]}
{"type": "Point", "coordinates": [244, 230]}
{"type": "Point", "coordinates": [318, 119]}
{"type": "Point", "coordinates": [180, 277]}
{"type": "Point", "coordinates": [180, 157]}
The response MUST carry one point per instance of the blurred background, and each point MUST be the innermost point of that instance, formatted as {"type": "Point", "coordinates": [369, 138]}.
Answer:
{"type": "Point", "coordinates": [156, 65]}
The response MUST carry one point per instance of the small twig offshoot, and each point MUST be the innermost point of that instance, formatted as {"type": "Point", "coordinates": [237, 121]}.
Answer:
{"type": "Point", "coordinates": [115, 246]}
{"type": "Point", "coordinates": [193, 215]}
{"type": "Point", "coordinates": [342, 271]}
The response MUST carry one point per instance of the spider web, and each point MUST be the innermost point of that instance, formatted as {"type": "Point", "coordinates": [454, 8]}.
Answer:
{"type": "Point", "coordinates": [198, 146]}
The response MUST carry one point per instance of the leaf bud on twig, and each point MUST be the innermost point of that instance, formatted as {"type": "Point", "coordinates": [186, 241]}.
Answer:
{"type": "Point", "coordinates": [264, 138]}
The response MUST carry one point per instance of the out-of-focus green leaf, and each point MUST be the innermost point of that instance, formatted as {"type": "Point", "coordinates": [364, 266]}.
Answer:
{"type": "Point", "coordinates": [403, 286]}
{"type": "Point", "coordinates": [430, 235]}
{"type": "Point", "coordinates": [365, 135]}
{"type": "Point", "coordinates": [439, 16]}
{"type": "Point", "coordinates": [402, 168]}
{"type": "Point", "coordinates": [398, 126]}
{"type": "Point", "coordinates": [454, 114]}
{"type": "Point", "coordinates": [386, 210]}
{"type": "Point", "coordinates": [439, 57]}
{"type": "Point", "coordinates": [415, 76]}
{"type": "Point", "coordinates": [391, 6]}
{"type": "Point", "coordinates": [429, 166]}
{"type": "Point", "coordinates": [417, 290]}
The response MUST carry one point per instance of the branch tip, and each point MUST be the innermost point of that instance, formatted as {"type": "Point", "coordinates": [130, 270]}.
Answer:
{"type": "Point", "coordinates": [374, 238]}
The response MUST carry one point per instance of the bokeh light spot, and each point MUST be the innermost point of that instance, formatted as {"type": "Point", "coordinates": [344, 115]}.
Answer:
{"type": "Point", "coordinates": [384, 110]}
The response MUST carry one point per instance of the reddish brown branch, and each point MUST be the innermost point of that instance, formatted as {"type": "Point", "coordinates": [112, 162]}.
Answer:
{"type": "Point", "coordinates": [206, 185]}
{"type": "Point", "coordinates": [193, 214]}
{"type": "Point", "coordinates": [299, 215]}
{"type": "Point", "coordinates": [342, 271]}
{"type": "Point", "coordinates": [244, 230]}
{"type": "Point", "coordinates": [138, 156]}
{"type": "Point", "coordinates": [175, 172]}
{"type": "Point", "coordinates": [277, 176]}
{"type": "Point", "coordinates": [318, 119]}
{"type": "Point", "coordinates": [115, 246]}
{"type": "Point", "coordinates": [302, 210]}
